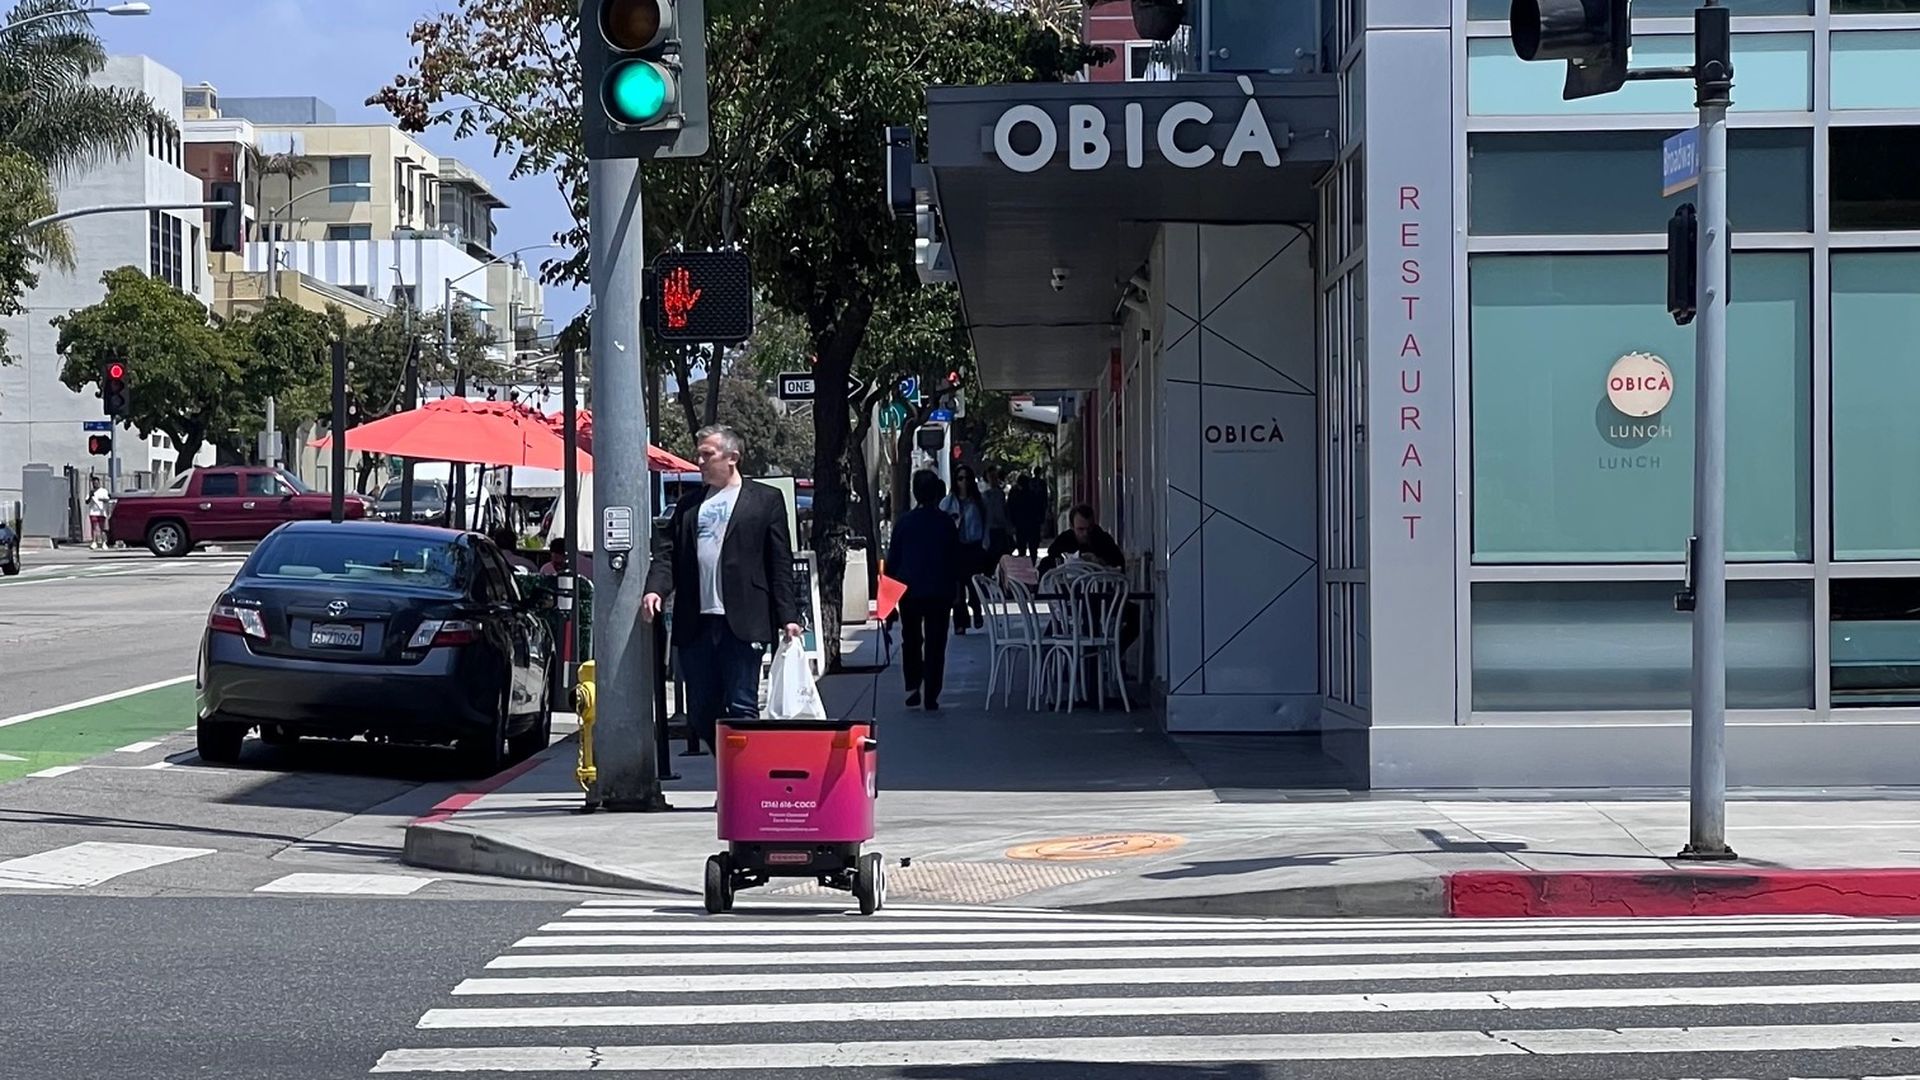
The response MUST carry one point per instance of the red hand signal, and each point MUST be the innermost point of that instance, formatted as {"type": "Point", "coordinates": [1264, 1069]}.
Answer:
{"type": "Point", "coordinates": [678, 296]}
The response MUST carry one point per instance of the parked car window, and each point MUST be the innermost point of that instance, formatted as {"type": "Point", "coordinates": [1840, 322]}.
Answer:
{"type": "Point", "coordinates": [262, 483]}
{"type": "Point", "coordinates": [420, 563]}
{"type": "Point", "coordinates": [217, 484]}
{"type": "Point", "coordinates": [180, 483]}
{"type": "Point", "coordinates": [497, 579]}
{"type": "Point", "coordinates": [291, 483]}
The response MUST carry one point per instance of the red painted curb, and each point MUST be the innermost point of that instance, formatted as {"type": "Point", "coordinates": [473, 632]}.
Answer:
{"type": "Point", "coordinates": [453, 804]}
{"type": "Point", "coordinates": [1632, 893]}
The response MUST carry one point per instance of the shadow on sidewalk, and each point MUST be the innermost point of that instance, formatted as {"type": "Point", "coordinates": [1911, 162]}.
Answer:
{"type": "Point", "coordinates": [970, 744]}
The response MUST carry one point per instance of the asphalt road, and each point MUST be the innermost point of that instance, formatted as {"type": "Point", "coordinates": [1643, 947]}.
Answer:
{"type": "Point", "coordinates": [76, 623]}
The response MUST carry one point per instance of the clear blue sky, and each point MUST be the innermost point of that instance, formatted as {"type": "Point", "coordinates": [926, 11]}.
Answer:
{"type": "Point", "coordinates": [341, 51]}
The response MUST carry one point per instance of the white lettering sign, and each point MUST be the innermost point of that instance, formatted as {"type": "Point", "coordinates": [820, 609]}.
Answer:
{"type": "Point", "coordinates": [1090, 143]}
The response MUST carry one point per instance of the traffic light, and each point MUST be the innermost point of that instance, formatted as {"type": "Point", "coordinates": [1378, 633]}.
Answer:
{"type": "Point", "coordinates": [701, 297]}
{"type": "Point", "coordinates": [113, 388]}
{"type": "Point", "coordinates": [225, 233]}
{"type": "Point", "coordinates": [643, 68]}
{"type": "Point", "coordinates": [1683, 264]}
{"type": "Point", "coordinates": [99, 445]}
{"type": "Point", "coordinates": [1592, 36]}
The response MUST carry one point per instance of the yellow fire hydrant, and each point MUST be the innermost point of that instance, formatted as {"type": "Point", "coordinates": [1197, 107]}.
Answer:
{"type": "Point", "coordinates": [583, 705]}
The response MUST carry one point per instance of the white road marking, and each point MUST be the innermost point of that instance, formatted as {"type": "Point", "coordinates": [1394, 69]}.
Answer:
{"type": "Point", "coordinates": [1163, 1049]}
{"type": "Point", "coordinates": [796, 981]}
{"type": "Point", "coordinates": [10, 757]}
{"type": "Point", "coordinates": [100, 700]}
{"type": "Point", "coordinates": [837, 1012]}
{"type": "Point", "coordinates": [347, 884]}
{"type": "Point", "coordinates": [158, 765]}
{"type": "Point", "coordinates": [875, 932]}
{"type": "Point", "coordinates": [1235, 950]}
{"type": "Point", "coordinates": [139, 747]}
{"type": "Point", "coordinates": [49, 773]}
{"type": "Point", "coordinates": [89, 863]}
{"type": "Point", "coordinates": [827, 918]}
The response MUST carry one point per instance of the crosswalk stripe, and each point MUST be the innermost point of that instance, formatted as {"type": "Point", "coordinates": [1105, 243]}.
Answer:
{"type": "Point", "coordinates": [1153, 1049]}
{"type": "Point", "coordinates": [696, 919]}
{"type": "Point", "coordinates": [1236, 950]}
{"type": "Point", "coordinates": [876, 932]}
{"type": "Point", "coordinates": [347, 884]}
{"type": "Point", "coordinates": [839, 1012]}
{"type": "Point", "coordinates": [90, 863]}
{"type": "Point", "coordinates": [798, 981]}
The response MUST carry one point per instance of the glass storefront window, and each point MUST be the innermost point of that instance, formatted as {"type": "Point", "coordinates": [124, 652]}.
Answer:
{"type": "Point", "coordinates": [1601, 645]}
{"type": "Point", "coordinates": [1543, 183]}
{"type": "Point", "coordinates": [1570, 468]}
{"type": "Point", "coordinates": [1683, 9]}
{"type": "Point", "coordinates": [1874, 184]}
{"type": "Point", "coordinates": [1875, 638]}
{"type": "Point", "coordinates": [1876, 392]}
{"type": "Point", "coordinates": [1874, 70]}
{"type": "Point", "coordinates": [1775, 73]}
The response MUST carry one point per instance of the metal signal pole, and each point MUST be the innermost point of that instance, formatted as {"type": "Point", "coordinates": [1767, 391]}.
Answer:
{"type": "Point", "coordinates": [1707, 774]}
{"type": "Point", "coordinates": [629, 766]}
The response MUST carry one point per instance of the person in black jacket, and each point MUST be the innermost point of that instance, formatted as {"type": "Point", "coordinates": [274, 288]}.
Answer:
{"type": "Point", "coordinates": [727, 562]}
{"type": "Point", "coordinates": [924, 555]}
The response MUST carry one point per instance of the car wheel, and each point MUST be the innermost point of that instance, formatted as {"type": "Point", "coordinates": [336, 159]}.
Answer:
{"type": "Point", "coordinates": [219, 740]}
{"type": "Point", "coordinates": [717, 885]}
{"type": "Point", "coordinates": [168, 539]}
{"type": "Point", "coordinates": [487, 754]}
{"type": "Point", "coordinates": [10, 569]}
{"type": "Point", "coordinates": [536, 738]}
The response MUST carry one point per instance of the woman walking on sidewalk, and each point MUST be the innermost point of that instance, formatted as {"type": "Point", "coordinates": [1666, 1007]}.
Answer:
{"type": "Point", "coordinates": [924, 555]}
{"type": "Point", "coordinates": [969, 513]}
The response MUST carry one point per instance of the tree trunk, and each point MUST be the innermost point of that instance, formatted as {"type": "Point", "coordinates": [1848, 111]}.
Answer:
{"type": "Point", "coordinates": [186, 446]}
{"type": "Point", "coordinates": [835, 349]}
{"type": "Point", "coordinates": [714, 386]}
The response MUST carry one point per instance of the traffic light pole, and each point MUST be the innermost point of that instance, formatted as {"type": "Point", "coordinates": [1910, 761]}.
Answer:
{"type": "Point", "coordinates": [338, 444]}
{"type": "Point", "coordinates": [1707, 809]}
{"type": "Point", "coordinates": [624, 748]}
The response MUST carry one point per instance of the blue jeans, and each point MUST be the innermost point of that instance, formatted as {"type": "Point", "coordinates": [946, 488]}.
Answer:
{"type": "Point", "coordinates": [722, 676]}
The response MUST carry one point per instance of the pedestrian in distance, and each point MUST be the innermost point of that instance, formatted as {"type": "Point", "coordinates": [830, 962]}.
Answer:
{"type": "Point", "coordinates": [924, 555]}
{"type": "Point", "coordinates": [726, 561]}
{"type": "Point", "coordinates": [1000, 538]}
{"type": "Point", "coordinates": [97, 504]}
{"type": "Point", "coordinates": [508, 542]}
{"type": "Point", "coordinates": [556, 557]}
{"type": "Point", "coordinates": [1028, 508]}
{"type": "Point", "coordinates": [969, 513]}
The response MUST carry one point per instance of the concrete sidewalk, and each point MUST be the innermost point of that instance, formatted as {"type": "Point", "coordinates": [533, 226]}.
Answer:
{"type": "Point", "coordinates": [1224, 825]}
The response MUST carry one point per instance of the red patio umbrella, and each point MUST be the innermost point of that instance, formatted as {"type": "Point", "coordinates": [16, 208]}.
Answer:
{"type": "Point", "coordinates": [458, 429]}
{"type": "Point", "coordinates": [657, 459]}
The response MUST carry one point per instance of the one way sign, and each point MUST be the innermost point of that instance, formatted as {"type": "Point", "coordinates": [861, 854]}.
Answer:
{"type": "Point", "coordinates": [798, 386]}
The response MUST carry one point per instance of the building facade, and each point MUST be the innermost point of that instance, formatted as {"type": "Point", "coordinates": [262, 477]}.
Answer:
{"type": "Point", "coordinates": [1365, 332]}
{"type": "Point", "coordinates": [41, 420]}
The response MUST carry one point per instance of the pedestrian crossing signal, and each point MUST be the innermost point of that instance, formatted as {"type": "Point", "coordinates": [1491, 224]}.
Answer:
{"type": "Point", "coordinates": [99, 445]}
{"type": "Point", "coordinates": [701, 297]}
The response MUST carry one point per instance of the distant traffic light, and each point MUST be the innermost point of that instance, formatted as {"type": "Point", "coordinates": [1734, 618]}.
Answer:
{"type": "Point", "coordinates": [225, 233]}
{"type": "Point", "coordinates": [1592, 36]}
{"type": "Point", "coordinates": [643, 66]}
{"type": "Point", "coordinates": [114, 398]}
{"type": "Point", "coordinates": [99, 445]}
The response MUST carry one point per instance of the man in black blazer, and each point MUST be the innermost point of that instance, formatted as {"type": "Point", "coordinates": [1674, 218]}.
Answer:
{"type": "Point", "coordinates": [727, 561]}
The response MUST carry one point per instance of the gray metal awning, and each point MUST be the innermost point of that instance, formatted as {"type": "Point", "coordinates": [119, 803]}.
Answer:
{"type": "Point", "coordinates": [1126, 157]}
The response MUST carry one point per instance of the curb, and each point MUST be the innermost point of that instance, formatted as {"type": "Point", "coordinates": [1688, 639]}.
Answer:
{"type": "Point", "coordinates": [436, 845]}
{"type": "Point", "coordinates": [1401, 898]}
{"type": "Point", "coordinates": [1630, 893]}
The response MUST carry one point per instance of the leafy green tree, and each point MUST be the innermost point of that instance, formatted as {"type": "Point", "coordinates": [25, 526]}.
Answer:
{"type": "Point", "coordinates": [778, 442]}
{"type": "Point", "coordinates": [800, 90]}
{"type": "Point", "coordinates": [54, 124]}
{"type": "Point", "coordinates": [184, 376]}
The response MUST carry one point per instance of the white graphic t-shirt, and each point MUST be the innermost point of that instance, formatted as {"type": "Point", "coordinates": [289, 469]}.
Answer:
{"type": "Point", "coordinates": [711, 528]}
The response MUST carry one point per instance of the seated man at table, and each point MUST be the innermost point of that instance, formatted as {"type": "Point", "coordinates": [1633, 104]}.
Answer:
{"type": "Point", "coordinates": [1085, 539]}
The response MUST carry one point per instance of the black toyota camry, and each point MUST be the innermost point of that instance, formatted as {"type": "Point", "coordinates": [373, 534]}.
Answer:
{"type": "Point", "coordinates": [398, 633]}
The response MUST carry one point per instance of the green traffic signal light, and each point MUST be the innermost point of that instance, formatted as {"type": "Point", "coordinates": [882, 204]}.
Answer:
{"type": "Point", "coordinates": [637, 92]}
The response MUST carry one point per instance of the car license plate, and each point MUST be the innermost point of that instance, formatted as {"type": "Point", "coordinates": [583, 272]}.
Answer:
{"type": "Point", "coordinates": [334, 636]}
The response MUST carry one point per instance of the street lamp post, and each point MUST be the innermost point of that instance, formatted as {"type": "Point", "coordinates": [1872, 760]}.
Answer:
{"type": "Point", "coordinates": [459, 474]}
{"type": "Point", "coordinates": [110, 9]}
{"type": "Point", "coordinates": [273, 289]}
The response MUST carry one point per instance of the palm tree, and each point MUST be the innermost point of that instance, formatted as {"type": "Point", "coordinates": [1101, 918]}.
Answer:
{"type": "Point", "coordinates": [56, 117]}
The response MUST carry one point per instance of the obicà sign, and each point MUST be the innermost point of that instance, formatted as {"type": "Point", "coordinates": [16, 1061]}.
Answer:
{"type": "Point", "coordinates": [1640, 385]}
{"type": "Point", "coordinates": [1189, 134]}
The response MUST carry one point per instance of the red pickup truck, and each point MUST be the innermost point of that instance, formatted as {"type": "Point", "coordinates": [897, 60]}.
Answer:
{"type": "Point", "coordinates": [235, 503]}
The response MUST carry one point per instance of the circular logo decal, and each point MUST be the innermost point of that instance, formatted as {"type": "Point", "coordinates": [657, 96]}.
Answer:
{"type": "Point", "coordinates": [1105, 846]}
{"type": "Point", "coordinates": [1640, 384]}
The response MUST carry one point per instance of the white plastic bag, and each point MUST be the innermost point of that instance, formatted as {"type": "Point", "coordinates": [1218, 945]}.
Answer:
{"type": "Point", "coordinates": [791, 694]}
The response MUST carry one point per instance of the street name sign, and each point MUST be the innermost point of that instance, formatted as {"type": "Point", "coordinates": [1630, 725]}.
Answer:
{"type": "Point", "coordinates": [1680, 162]}
{"type": "Point", "coordinates": [96, 425]}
